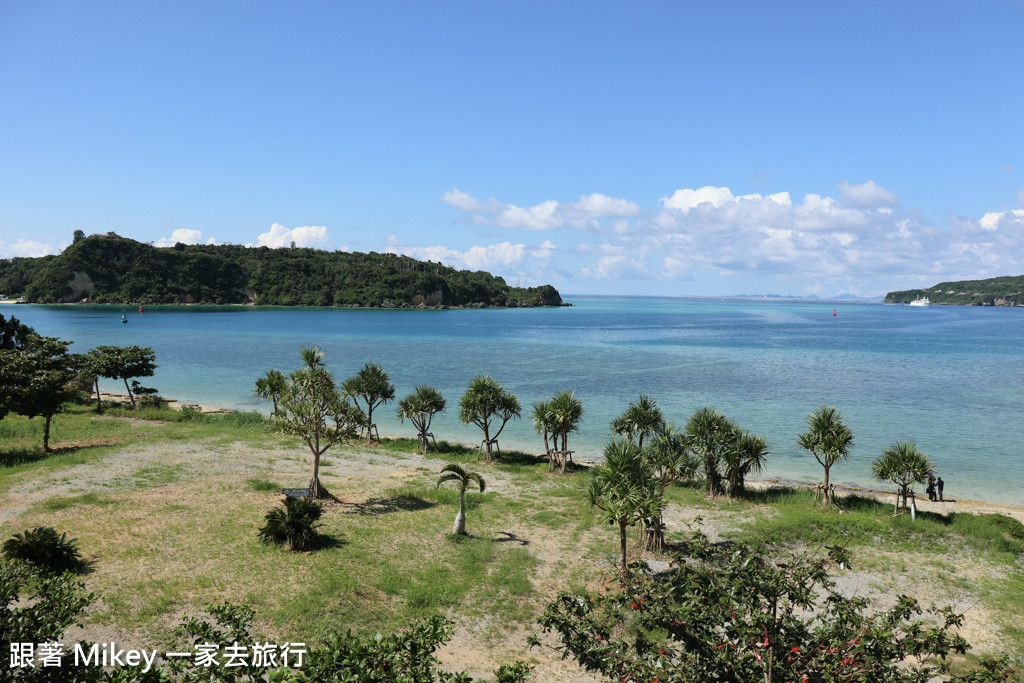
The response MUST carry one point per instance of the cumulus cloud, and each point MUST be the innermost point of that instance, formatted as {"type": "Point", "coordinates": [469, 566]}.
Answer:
{"type": "Point", "coordinates": [502, 255]}
{"type": "Point", "coordinates": [868, 195]}
{"type": "Point", "coordinates": [305, 236]}
{"type": "Point", "coordinates": [25, 248]}
{"type": "Point", "coordinates": [861, 240]}
{"type": "Point", "coordinates": [518, 263]}
{"type": "Point", "coordinates": [1006, 220]}
{"type": "Point", "coordinates": [185, 236]}
{"type": "Point", "coordinates": [591, 212]}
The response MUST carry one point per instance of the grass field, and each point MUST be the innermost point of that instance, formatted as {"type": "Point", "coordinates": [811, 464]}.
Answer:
{"type": "Point", "coordinates": [168, 513]}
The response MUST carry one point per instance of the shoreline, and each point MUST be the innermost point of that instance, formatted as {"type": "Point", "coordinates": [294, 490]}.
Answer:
{"type": "Point", "coordinates": [936, 507]}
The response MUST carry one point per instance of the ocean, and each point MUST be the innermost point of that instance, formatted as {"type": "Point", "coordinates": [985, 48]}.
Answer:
{"type": "Point", "coordinates": [948, 378]}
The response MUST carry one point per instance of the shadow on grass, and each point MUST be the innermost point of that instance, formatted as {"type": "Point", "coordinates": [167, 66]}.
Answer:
{"type": "Point", "coordinates": [10, 457]}
{"type": "Point", "coordinates": [520, 458]}
{"type": "Point", "coordinates": [325, 542]}
{"type": "Point", "coordinates": [382, 506]}
{"type": "Point", "coordinates": [509, 537]}
{"type": "Point", "coordinates": [777, 494]}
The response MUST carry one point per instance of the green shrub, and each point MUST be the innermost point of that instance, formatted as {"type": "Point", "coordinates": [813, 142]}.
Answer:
{"type": "Point", "coordinates": [190, 413]}
{"type": "Point", "coordinates": [295, 524]}
{"type": "Point", "coordinates": [45, 549]}
{"type": "Point", "coordinates": [151, 401]}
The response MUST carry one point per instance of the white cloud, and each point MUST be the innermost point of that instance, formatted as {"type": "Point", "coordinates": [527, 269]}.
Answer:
{"type": "Point", "coordinates": [860, 241]}
{"type": "Point", "coordinates": [687, 199]}
{"type": "Point", "coordinates": [464, 202]}
{"type": "Point", "coordinates": [590, 212]}
{"type": "Point", "coordinates": [868, 195]}
{"type": "Point", "coordinates": [305, 236]}
{"type": "Point", "coordinates": [25, 248]}
{"type": "Point", "coordinates": [1005, 220]}
{"type": "Point", "coordinates": [183, 235]}
{"type": "Point", "coordinates": [501, 255]}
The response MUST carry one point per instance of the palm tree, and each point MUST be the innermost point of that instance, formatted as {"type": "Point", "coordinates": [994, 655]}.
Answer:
{"type": "Point", "coordinates": [669, 459]}
{"type": "Point", "coordinates": [295, 524]}
{"type": "Point", "coordinates": [746, 454]}
{"type": "Point", "coordinates": [711, 434]}
{"type": "Point", "coordinates": [372, 385]}
{"type": "Point", "coordinates": [315, 410]}
{"type": "Point", "coordinates": [270, 386]}
{"type": "Point", "coordinates": [641, 418]}
{"type": "Point", "coordinates": [456, 473]}
{"type": "Point", "coordinates": [420, 407]}
{"type": "Point", "coordinates": [625, 490]}
{"type": "Point", "coordinates": [904, 465]}
{"type": "Point", "coordinates": [566, 414]}
{"type": "Point", "coordinates": [827, 438]}
{"type": "Point", "coordinates": [543, 422]}
{"type": "Point", "coordinates": [486, 402]}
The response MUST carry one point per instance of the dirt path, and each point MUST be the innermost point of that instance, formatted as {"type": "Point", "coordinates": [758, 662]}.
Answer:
{"type": "Point", "coordinates": [371, 471]}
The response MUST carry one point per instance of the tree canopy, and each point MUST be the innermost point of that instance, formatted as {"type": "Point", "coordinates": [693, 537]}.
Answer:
{"type": "Point", "coordinates": [113, 269]}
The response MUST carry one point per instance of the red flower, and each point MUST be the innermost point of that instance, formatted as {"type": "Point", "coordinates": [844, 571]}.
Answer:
{"type": "Point", "coordinates": [796, 649]}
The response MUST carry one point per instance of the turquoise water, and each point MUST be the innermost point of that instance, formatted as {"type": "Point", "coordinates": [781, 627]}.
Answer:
{"type": "Point", "coordinates": [948, 378]}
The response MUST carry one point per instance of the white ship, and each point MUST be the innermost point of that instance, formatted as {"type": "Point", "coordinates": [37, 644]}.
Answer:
{"type": "Point", "coordinates": [923, 301]}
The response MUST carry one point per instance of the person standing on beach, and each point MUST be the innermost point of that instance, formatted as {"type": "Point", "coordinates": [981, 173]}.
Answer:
{"type": "Point", "coordinates": [931, 488]}
{"type": "Point", "coordinates": [940, 484]}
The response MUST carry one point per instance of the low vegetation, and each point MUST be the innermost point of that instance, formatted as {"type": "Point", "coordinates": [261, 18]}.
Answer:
{"type": "Point", "coordinates": [534, 535]}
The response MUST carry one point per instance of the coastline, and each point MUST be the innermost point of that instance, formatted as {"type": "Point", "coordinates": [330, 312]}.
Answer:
{"type": "Point", "coordinates": [950, 505]}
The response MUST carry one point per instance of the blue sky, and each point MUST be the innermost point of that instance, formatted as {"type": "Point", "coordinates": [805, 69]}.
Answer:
{"type": "Point", "coordinates": [661, 148]}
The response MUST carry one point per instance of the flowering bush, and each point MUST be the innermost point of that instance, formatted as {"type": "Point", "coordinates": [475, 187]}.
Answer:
{"type": "Point", "coordinates": [725, 614]}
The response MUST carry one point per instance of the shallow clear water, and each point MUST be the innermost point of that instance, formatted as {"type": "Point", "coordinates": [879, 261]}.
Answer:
{"type": "Point", "coordinates": [949, 378]}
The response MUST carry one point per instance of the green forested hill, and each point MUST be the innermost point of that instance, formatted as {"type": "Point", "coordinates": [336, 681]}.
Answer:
{"type": "Point", "coordinates": [114, 269]}
{"type": "Point", "coordinates": [996, 291]}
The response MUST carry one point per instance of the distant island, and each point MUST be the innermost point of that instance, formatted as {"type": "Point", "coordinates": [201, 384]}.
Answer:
{"type": "Point", "coordinates": [996, 291]}
{"type": "Point", "coordinates": [111, 269]}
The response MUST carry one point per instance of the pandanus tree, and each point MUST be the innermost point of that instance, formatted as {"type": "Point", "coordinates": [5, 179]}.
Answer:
{"type": "Point", "coordinates": [640, 419]}
{"type": "Point", "coordinates": [462, 478]}
{"type": "Point", "coordinates": [625, 490]}
{"type": "Point", "coordinates": [271, 386]}
{"type": "Point", "coordinates": [745, 455]}
{"type": "Point", "coordinates": [669, 459]}
{"type": "Point", "coordinates": [544, 422]}
{"type": "Point", "coordinates": [485, 404]}
{"type": "Point", "coordinates": [828, 439]}
{"type": "Point", "coordinates": [374, 386]}
{"type": "Point", "coordinates": [420, 407]}
{"type": "Point", "coordinates": [903, 465]}
{"type": "Point", "coordinates": [317, 411]}
{"type": "Point", "coordinates": [565, 413]}
{"type": "Point", "coordinates": [711, 434]}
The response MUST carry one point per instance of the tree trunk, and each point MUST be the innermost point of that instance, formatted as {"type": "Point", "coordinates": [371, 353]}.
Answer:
{"type": "Point", "coordinates": [316, 489]}
{"type": "Point", "coordinates": [565, 450]}
{"type": "Point", "coordinates": [459, 528]}
{"type": "Point", "coordinates": [99, 406]}
{"type": "Point", "coordinates": [656, 534]}
{"type": "Point", "coordinates": [128, 389]}
{"type": "Point", "coordinates": [487, 441]}
{"type": "Point", "coordinates": [623, 567]}
{"type": "Point", "coordinates": [46, 434]}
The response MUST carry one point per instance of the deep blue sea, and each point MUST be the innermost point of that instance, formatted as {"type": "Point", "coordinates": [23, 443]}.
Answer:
{"type": "Point", "coordinates": [949, 378]}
